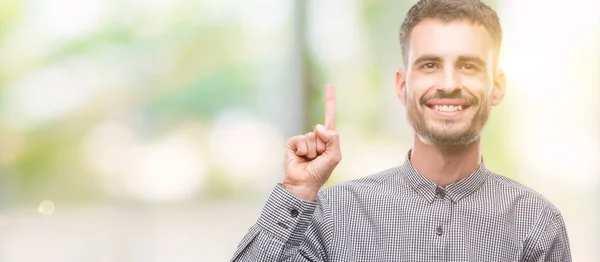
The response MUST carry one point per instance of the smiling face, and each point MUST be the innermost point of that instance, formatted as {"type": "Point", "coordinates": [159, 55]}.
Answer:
{"type": "Point", "coordinates": [450, 82]}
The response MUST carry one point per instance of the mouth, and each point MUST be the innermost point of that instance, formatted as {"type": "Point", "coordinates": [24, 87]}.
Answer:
{"type": "Point", "coordinates": [448, 107]}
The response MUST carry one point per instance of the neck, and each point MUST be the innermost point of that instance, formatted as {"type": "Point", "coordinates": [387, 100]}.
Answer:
{"type": "Point", "coordinates": [445, 166]}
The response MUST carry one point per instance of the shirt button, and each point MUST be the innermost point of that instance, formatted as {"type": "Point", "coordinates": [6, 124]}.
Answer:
{"type": "Point", "coordinates": [294, 213]}
{"type": "Point", "coordinates": [440, 193]}
{"type": "Point", "coordinates": [439, 231]}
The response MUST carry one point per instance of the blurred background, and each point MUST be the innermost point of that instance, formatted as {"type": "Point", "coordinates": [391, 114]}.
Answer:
{"type": "Point", "coordinates": [154, 130]}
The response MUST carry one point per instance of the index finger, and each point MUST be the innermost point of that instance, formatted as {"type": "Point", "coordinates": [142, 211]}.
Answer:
{"type": "Point", "coordinates": [329, 107]}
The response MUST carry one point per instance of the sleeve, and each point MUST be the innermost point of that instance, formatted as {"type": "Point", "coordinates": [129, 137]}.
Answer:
{"type": "Point", "coordinates": [288, 229]}
{"type": "Point", "coordinates": [550, 243]}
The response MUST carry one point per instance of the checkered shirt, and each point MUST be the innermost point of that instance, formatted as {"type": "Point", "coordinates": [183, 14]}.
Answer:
{"type": "Point", "coordinates": [398, 215]}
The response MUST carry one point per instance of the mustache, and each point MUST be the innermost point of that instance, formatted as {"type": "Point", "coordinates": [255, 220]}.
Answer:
{"type": "Point", "coordinates": [454, 95]}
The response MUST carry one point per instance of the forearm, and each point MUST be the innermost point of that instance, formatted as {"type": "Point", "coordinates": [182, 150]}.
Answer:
{"type": "Point", "coordinates": [283, 231]}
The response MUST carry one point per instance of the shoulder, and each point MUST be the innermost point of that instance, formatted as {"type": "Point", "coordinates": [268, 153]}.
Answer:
{"type": "Point", "coordinates": [544, 227]}
{"type": "Point", "coordinates": [522, 196]}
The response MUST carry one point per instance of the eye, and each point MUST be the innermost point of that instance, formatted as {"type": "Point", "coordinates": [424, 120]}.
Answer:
{"type": "Point", "coordinates": [428, 66]}
{"type": "Point", "coordinates": [469, 67]}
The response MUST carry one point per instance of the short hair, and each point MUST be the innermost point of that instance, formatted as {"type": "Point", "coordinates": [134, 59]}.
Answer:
{"type": "Point", "coordinates": [447, 11]}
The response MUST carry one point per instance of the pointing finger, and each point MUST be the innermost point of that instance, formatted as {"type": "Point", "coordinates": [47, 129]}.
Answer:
{"type": "Point", "coordinates": [329, 107]}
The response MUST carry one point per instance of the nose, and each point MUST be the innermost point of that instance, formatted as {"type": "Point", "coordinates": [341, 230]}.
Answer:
{"type": "Point", "coordinates": [449, 81]}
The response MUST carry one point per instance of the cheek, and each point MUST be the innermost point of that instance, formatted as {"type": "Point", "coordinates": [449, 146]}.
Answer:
{"type": "Point", "coordinates": [421, 81]}
{"type": "Point", "coordinates": [412, 98]}
{"type": "Point", "coordinates": [416, 88]}
{"type": "Point", "coordinates": [479, 87]}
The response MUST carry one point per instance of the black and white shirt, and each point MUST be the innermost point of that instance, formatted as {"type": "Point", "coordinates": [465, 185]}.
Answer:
{"type": "Point", "coordinates": [398, 215]}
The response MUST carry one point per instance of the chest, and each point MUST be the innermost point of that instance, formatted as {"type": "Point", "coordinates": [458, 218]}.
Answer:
{"type": "Point", "coordinates": [416, 230]}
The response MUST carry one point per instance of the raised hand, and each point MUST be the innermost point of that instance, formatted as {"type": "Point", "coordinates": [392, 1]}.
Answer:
{"type": "Point", "coordinates": [312, 157]}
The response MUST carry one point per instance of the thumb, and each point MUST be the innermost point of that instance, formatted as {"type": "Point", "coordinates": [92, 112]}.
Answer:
{"type": "Point", "coordinates": [329, 136]}
{"type": "Point", "coordinates": [332, 154]}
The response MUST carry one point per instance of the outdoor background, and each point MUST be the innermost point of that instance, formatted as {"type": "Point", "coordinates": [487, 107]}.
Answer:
{"type": "Point", "coordinates": [154, 130]}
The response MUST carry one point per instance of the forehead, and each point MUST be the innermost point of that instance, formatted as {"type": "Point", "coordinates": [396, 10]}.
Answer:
{"type": "Point", "coordinates": [450, 39]}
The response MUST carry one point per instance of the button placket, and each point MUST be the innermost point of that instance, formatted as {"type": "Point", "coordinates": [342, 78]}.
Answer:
{"type": "Point", "coordinates": [440, 193]}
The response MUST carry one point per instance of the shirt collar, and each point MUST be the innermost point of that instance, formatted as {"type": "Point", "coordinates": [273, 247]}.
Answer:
{"type": "Point", "coordinates": [455, 192]}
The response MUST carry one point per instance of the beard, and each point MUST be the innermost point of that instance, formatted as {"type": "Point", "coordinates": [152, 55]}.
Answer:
{"type": "Point", "coordinates": [448, 133]}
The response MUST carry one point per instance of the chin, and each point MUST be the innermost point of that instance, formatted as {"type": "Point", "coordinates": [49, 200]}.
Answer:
{"type": "Point", "coordinates": [447, 138]}
{"type": "Point", "coordinates": [449, 133]}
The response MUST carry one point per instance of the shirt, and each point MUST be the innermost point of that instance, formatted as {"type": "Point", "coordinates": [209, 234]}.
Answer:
{"type": "Point", "coordinates": [399, 215]}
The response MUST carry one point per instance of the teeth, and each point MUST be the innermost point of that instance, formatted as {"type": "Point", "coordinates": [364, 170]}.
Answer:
{"type": "Point", "coordinates": [447, 108]}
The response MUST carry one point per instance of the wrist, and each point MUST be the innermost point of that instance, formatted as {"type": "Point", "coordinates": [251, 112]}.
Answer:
{"type": "Point", "coordinates": [307, 193]}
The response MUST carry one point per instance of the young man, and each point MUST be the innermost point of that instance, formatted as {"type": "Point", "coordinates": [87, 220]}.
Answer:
{"type": "Point", "coordinates": [442, 203]}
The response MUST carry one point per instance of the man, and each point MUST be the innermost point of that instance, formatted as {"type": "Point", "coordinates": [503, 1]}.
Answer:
{"type": "Point", "coordinates": [442, 203]}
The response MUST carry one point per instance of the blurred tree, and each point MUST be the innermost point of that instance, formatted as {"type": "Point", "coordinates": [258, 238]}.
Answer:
{"type": "Point", "coordinates": [169, 76]}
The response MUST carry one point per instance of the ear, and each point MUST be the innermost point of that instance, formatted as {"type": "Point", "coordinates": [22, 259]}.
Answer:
{"type": "Point", "coordinates": [499, 87]}
{"type": "Point", "coordinates": [401, 85]}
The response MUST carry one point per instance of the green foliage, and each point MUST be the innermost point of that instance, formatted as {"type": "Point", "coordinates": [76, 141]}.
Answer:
{"type": "Point", "coordinates": [207, 95]}
{"type": "Point", "coordinates": [87, 44]}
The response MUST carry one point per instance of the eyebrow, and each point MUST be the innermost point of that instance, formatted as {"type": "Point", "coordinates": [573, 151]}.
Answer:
{"type": "Point", "coordinates": [463, 58]}
{"type": "Point", "coordinates": [427, 58]}
{"type": "Point", "coordinates": [472, 58]}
